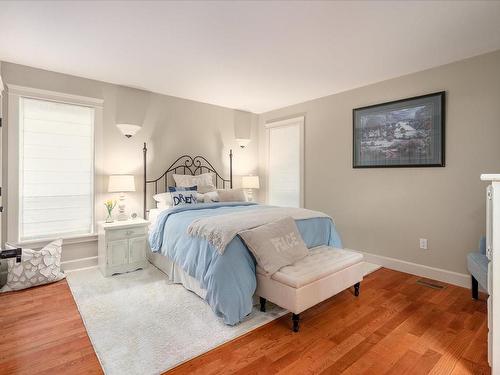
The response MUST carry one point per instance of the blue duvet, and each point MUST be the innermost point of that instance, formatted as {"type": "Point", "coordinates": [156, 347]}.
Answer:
{"type": "Point", "coordinates": [229, 279]}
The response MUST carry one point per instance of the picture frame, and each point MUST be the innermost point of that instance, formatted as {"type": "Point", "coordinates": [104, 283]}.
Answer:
{"type": "Point", "coordinates": [403, 133]}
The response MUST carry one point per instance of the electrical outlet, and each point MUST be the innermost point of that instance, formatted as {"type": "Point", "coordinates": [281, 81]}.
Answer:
{"type": "Point", "coordinates": [423, 243]}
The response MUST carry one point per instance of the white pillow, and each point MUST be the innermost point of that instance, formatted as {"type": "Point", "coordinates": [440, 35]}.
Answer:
{"type": "Point", "coordinates": [231, 195]}
{"type": "Point", "coordinates": [36, 268]}
{"type": "Point", "coordinates": [163, 205]}
{"type": "Point", "coordinates": [204, 182]}
{"type": "Point", "coordinates": [163, 197]}
{"type": "Point", "coordinates": [164, 200]}
{"type": "Point", "coordinates": [184, 197]}
{"type": "Point", "coordinates": [210, 197]}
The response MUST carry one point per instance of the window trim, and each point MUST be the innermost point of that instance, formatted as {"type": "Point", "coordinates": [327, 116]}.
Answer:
{"type": "Point", "coordinates": [297, 120]}
{"type": "Point", "coordinates": [14, 93]}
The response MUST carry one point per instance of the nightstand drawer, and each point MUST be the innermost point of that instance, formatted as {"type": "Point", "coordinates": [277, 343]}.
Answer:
{"type": "Point", "coordinates": [119, 234]}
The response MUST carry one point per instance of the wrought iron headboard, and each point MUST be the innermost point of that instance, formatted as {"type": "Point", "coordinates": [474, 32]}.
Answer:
{"type": "Point", "coordinates": [189, 165]}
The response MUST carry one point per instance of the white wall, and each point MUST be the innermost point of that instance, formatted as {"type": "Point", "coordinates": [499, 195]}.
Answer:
{"type": "Point", "coordinates": [386, 211]}
{"type": "Point", "coordinates": [171, 127]}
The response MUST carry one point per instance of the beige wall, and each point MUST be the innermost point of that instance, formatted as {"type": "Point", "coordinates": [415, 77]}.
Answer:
{"type": "Point", "coordinates": [171, 127]}
{"type": "Point", "coordinates": [383, 211]}
{"type": "Point", "coordinates": [386, 211]}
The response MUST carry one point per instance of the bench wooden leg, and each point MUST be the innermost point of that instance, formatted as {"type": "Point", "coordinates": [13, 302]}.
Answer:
{"type": "Point", "coordinates": [475, 288]}
{"type": "Point", "coordinates": [295, 321]}
{"type": "Point", "coordinates": [356, 289]}
{"type": "Point", "coordinates": [263, 304]}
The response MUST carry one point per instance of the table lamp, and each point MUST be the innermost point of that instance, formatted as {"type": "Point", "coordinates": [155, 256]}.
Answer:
{"type": "Point", "coordinates": [249, 183]}
{"type": "Point", "coordinates": [121, 183]}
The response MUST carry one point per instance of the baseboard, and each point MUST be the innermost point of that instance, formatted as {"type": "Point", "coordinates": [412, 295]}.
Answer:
{"type": "Point", "coordinates": [77, 264]}
{"type": "Point", "coordinates": [434, 273]}
{"type": "Point", "coordinates": [450, 277]}
{"type": "Point", "coordinates": [370, 268]}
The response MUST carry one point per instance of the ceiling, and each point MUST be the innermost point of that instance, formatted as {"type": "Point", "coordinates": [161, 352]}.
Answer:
{"type": "Point", "coordinates": [255, 56]}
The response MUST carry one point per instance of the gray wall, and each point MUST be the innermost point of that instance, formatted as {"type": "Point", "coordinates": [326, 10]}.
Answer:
{"type": "Point", "coordinates": [386, 211]}
{"type": "Point", "coordinates": [171, 127]}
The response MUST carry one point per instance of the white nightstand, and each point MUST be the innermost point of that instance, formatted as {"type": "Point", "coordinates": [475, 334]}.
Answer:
{"type": "Point", "coordinates": [122, 246]}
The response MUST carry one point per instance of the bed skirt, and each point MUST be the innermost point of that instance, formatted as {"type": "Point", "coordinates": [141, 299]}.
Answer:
{"type": "Point", "coordinates": [175, 274]}
{"type": "Point", "coordinates": [178, 276]}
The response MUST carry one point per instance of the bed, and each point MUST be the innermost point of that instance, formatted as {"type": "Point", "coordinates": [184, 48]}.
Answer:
{"type": "Point", "coordinates": [226, 281]}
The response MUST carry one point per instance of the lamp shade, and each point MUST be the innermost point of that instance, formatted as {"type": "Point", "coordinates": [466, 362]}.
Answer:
{"type": "Point", "coordinates": [121, 183]}
{"type": "Point", "coordinates": [250, 182]}
{"type": "Point", "coordinates": [128, 130]}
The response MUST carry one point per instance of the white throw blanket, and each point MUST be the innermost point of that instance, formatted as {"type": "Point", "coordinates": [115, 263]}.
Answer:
{"type": "Point", "coordinates": [221, 229]}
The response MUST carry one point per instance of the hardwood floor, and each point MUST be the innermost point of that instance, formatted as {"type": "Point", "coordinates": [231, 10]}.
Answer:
{"type": "Point", "coordinates": [41, 332]}
{"type": "Point", "coordinates": [396, 326]}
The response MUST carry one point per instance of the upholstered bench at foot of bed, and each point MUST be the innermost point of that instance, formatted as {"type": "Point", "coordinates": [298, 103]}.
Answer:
{"type": "Point", "coordinates": [325, 272]}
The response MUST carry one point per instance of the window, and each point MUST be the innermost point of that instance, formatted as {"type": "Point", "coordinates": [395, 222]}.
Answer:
{"type": "Point", "coordinates": [286, 162]}
{"type": "Point", "coordinates": [56, 169]}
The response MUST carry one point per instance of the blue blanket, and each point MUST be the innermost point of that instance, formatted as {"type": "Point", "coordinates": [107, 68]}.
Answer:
{"type": "Point", "coordinates": [229, 279]}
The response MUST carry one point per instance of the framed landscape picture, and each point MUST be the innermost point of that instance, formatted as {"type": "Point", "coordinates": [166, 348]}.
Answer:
{"type": "Point", "coordinates": [402, 133]}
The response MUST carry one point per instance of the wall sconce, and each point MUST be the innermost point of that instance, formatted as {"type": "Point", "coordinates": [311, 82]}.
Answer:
{"type": "Point", "coordinates": [242, 127]}
{"type": "Point", "coordinates": [128, 130]}
{"type": "Point", "coordinates": [243, 142]}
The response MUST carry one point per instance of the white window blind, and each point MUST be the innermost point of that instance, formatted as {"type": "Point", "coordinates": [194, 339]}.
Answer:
{"type": "Point", "coordinates": [285, 164]}
{"type": "Point", "coordinates": [56, 169]}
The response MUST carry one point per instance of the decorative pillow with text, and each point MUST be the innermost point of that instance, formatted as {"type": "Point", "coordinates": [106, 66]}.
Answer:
{"type": "Point", "coordinates": [275, 245]}
{"type": "Point", "coordinates": [183, 195]}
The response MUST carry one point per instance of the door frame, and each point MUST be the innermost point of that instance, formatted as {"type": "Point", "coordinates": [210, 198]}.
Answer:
{"type": "Point", "coordinates": [2, 124]}
{"type": "Point", "coordinates": [495, 281]}
{"type": "Point", "coordinates": [493, 253]}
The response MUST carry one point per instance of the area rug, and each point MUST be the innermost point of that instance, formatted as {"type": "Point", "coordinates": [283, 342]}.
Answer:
{"type": "Point", "coordinates": [139, 323]}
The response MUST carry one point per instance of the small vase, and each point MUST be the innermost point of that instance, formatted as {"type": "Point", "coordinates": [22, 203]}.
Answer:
{"type": "Point", "coordinates": [109, 219]}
